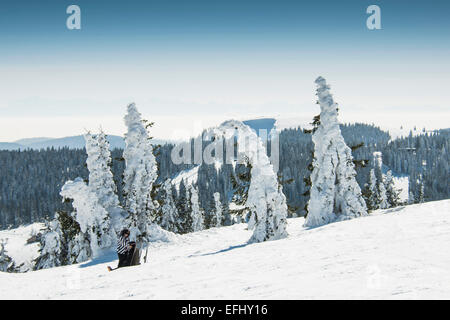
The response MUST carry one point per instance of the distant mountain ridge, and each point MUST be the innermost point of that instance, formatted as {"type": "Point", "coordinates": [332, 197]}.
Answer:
{"type": "Point", "coordinates": [77, 142]}
{"type": "Point", "coordinates": [28, 141]}
{"type": "Point", "coordinates": [73, 142]}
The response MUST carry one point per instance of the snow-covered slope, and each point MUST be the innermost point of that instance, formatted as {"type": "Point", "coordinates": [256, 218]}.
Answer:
{"type": "Point", "coordinates": [391, 254]}
{"type": "Point", "coordinates": [16, 245]}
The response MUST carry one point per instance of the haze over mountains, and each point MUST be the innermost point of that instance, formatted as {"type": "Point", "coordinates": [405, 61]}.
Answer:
{"type": "Point", "coordinates": [74, 142]}
{"type": "Point", "coordinates": [77, 142]}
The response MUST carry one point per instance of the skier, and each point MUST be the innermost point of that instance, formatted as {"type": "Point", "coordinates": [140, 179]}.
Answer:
{"type": "Point", "coordinates": [124, 248]}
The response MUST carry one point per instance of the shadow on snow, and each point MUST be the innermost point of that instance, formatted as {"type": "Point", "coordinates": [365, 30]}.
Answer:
{"type": "Point", "coordinates": [220, 251]}
{"type": "Point", "coordinates": [105, 257]}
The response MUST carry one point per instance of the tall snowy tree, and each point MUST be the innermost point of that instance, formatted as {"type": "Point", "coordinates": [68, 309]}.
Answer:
{"type": "Point", "coordinates": [334, 194]}
{"type": "Point", "coordinates": [371, 192]}
{"type": "Point", "coordinates": [100, 176]}
{"type": "Point", "coordinates": [184, 208]}
{"type": "Point", "coordinates": [265, 199]}
{"type": "Point", "coordinates": [51, 252]}
{"type": "Point", "coordinates": [196, 212]}
{"type": "Point", "coordinates": [217, 220]}
{"type": "Point", "coordinates": [139, 176]}
{"type": "Point", "coordinates": [421, 197]}
{"type": "Point", "coordinates": [392, 194]}
{"type": "Point", "coordinates": [6, 263]}
{"type": "Point", "coordinates": [383, 200]}
{"type": "Point", "coordinates": [169, 219]}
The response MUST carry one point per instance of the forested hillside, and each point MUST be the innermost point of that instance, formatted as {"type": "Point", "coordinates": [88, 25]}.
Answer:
{"type": "Point", "coordinates": [31, 180]}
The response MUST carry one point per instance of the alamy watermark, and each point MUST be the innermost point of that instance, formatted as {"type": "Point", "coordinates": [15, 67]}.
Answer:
{"type": "Point", "coordinates": [373, 22]}
{"type": "Point", "coordinates": [229, 147]}
{"type": "Point", "coordinates": [74, 20]}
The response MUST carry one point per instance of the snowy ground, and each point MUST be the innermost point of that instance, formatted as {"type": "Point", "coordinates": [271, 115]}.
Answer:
{"type": "Point", "coordinates": [17, 247]}
{"type": "Point", "coordinates": [392, 254]}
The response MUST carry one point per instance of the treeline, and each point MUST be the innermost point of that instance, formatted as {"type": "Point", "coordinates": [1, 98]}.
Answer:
{"type": "Point", "coordinates": [425, 159]}
{"type": "Point", "coordinates": [31, 180]}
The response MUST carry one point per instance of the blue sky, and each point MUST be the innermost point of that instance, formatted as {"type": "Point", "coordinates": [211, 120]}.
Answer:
{"type": "Point", "coordinates": [207, 61]}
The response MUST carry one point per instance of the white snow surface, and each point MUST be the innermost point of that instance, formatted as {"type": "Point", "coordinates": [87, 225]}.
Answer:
{"type": "Point", "coordinates": [397, 253]}
{"type": "Point", "coordinates": [17, 248]}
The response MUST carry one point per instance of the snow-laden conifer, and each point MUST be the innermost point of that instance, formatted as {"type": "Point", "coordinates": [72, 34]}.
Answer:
{"type": "Point", "coordinates": [6, 263]}
{"type": "Point", "coordinates": [139, 176]}
{"type": "Point", "coordinates": [80, 249]}
{"type": "Point", "coordinates": [265, 199]}
{"type": "Point", "coordinates": [100, 176]}
{"type": "Point", "coordinates": [334, 194]}
{"type": "Point", "coordinates": [51, 250]}
{"type": "Point", "coordinates": [371, 192]}
{"type": "Point", "coordinates": [218, 212]}
{"type": "Point", "coordinates": [62, 243]}
{"type": "Point", "coordinates": [381, 181]}
{"type": "Point", "coordinates": [184, 209]}
{"type": "Point", "coordinates": [392, 194]}
{"type": "Point", "coordinates": [383, 200]}
{"type": "Point", "coordinates": [91, 216]}
{"type": "Point", "coordinates": [421, 198]}
{"type": "Point", "coordinates": [196, 212]}
{"type": "Point", "coordinates": [169, 219]}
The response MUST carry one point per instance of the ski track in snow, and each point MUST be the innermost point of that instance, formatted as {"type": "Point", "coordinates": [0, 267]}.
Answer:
{"type": "Point", "coordinates": [399, 253]}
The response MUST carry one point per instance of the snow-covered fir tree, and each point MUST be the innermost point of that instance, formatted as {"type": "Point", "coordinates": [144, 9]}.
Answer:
{"type": "Point", "coordinates": [100, 176]}
{"type": "Point", "coordinates": [217, 219]}
{"type": "Point", "coordinates": [92, 217]}
{"type": "Point", "coordinates": [183, 204]}
{"type": "Point", "coordinates": [76, 237]}
{"type": "Point", "coordinates": [392, 194]}
{"type": "Point", "coordinates": [421, 197]}
{"type": "Point", "coordinates": [139, 176]}
{"type": "Point", "coordinates": [80, 248]}
{"type": "Point", "coordinates": [169, 219]}
{"type": "Point", "coordinates": [62, 243]}
{"type": "Point", "coordinates": [196, 212]}
{"type": "Point", "coordinates": [51, 253]}
{"type": "Point", "coordinates": [265, 199]}
{"type": "Point", "coordinates": [6, 263]}
{"type": "Point", "coordinates": [334, 194]}
{"type": "Point", "coordinates": [383, 200]}
{"type": "Point", "coordinates": [371, 192]}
